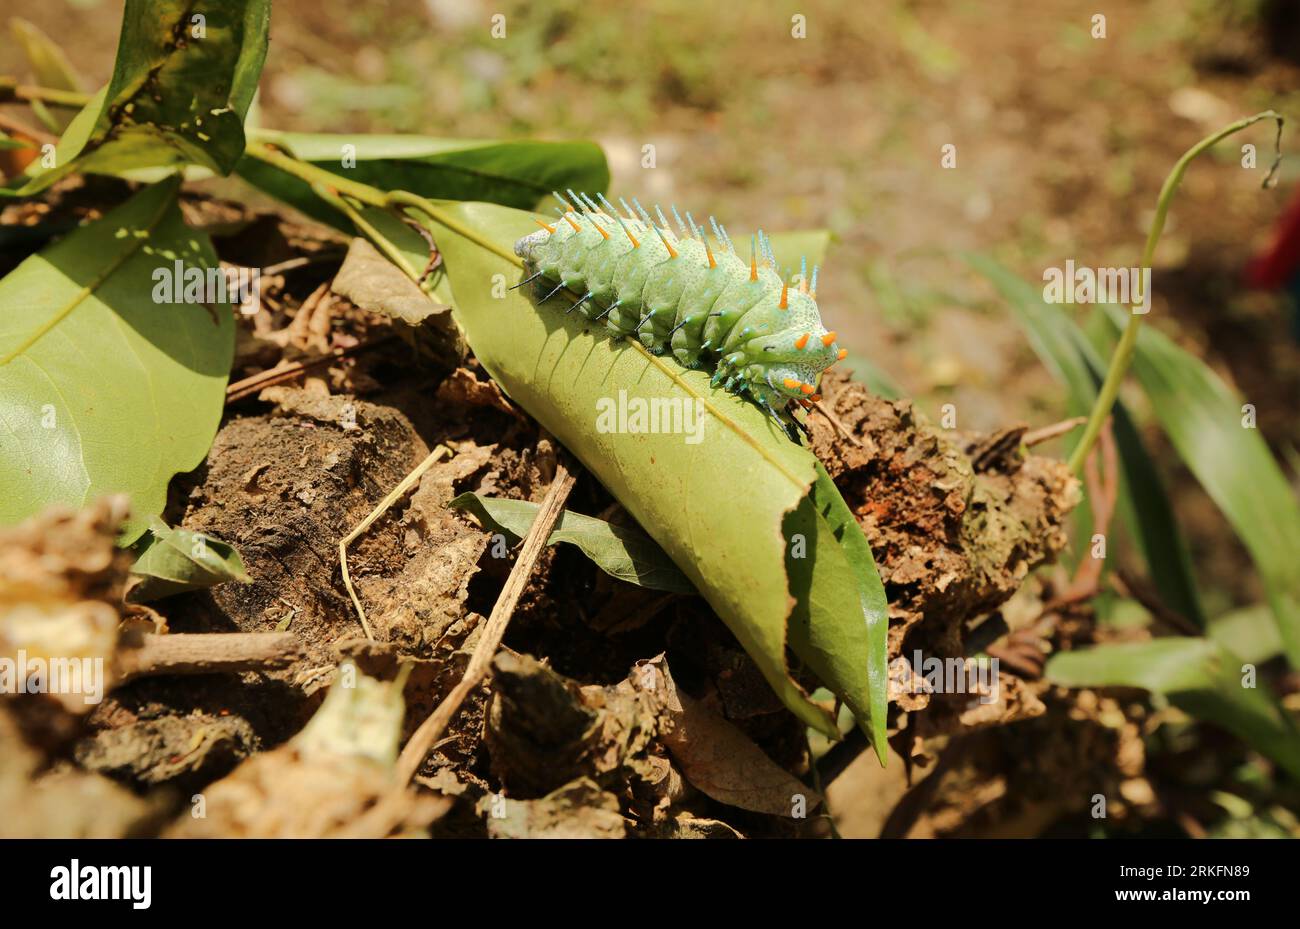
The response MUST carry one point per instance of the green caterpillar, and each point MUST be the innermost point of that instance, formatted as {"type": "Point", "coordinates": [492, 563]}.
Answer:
{"type": "Point", "coordinates": [762, 337]}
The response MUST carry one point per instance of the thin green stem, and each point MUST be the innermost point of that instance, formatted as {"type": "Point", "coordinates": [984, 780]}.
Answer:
{"type": "Point", "coordinates": [305, 171]}
{"type": "Point", "coordinates": [366, 228]}
{"type": "Point", "coordinates": [1123, 354]}
{"type": "Point", "coordinates": [403, 198]}
{"type": "Point", "coordinates": [11, 90]}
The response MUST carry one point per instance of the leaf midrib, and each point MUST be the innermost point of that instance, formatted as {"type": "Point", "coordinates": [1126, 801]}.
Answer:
{"type": "Point", "coordinates": [77, 299]}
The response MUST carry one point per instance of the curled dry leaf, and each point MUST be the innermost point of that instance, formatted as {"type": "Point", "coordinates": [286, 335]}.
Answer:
{"type": "Point", "coordinates": [334, 779]}
{"type": "Point", "coordinates": [61, 581]}
{"type": "Point", "coordinates": [374, 283]}
{"type": "Point", "coordinates": [578, 810]}
{"type": "Point", "coordinates": [461, 386]}
{"type": "Point", "coordinates": [544, 730]}
{"type": "Point", "coordinates": [716, 757]}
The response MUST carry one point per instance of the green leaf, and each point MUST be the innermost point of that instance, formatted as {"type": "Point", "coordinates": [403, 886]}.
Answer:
{"type": "Point", "coordinates": [1143, 503]}
{"type": "Point", "coordinates": [1249, 632]}
{"type": "Point", "coordinates": [172, 561]}
{"type": "Point", "coordinates": [714, 497]}
{"type": "Point", "coordinates": [518, 174]}
{"type": "Point", "coordinates": [175, 98]}
{"type": "Point", "coordinates": [834, 572]}
{"type": "Point", "coordinates": [1204, 420]}
{"type": "Point", "coordinates": [1200, 677]}
{"type": "Point", "coordinates": [624, 552]}
{"type": "Point", "coordinates": [101, 388]}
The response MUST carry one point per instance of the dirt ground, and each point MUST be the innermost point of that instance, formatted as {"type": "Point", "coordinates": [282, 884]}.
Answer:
{"type": "Point", "coordinates": [1062, 141]}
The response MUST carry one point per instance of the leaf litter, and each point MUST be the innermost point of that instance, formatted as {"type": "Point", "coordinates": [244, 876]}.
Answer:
{"type": "Point", "coordinates": [630, 749]}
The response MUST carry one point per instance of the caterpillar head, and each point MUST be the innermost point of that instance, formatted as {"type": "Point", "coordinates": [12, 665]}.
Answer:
{"type": "Point", "coordinates": [525, 246]}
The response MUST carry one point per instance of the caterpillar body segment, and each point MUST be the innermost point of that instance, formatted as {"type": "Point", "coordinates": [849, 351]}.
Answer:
{"type": "Point", "coordinates": [762, 335]}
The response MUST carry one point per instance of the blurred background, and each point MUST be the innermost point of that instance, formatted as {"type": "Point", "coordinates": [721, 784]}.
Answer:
{"type": "Point", "coordinates": [1062, 141]}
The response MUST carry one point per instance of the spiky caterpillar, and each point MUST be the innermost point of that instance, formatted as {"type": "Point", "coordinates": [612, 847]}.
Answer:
{"type": "Point", "coordinates": [763, 338]}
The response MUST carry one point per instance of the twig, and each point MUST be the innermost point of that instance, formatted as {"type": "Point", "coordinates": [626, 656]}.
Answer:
{"type": "Point", "coordinates": [421, 741]}
{"type": "Point", "coordinates": [1047, 433]}
{"type": "Point", "coordinates": [835, 421]}
{"type": "Point", "coordinates": [302, 261]}
{"type": "Point", "coordinates": [40, 136]}
{"type": "Point", "coordinates": [1128, 584]}
{"type": "Point", "coordinates": [287, 372]}
{"type": "Point", "coordinates": [207, 653]}
{"type": "Point", "coordinates": [1103, 492]}
{"type": "Point", "coordinates": [407, 483]}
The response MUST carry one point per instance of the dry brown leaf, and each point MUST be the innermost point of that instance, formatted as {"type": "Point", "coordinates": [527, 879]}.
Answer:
{"type": "Point", "coordinates": [334, 779]}
{"type": "Point", "coordinates": [717, 758]}
{"type": "Point", "coordinates": [578, 810]}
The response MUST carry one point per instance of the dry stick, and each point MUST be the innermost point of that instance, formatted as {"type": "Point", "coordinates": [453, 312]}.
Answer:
{"type": "Point", "coordinates": [207, 653]}
{"type": "Point", "coordinates": [17, 126]}
{"type": "Point", "coordinates": [835, 421]}
{"type": "Point", "coordinates": [302, 261]}
{"type": "Point", "coordinates": [1103, 493]}
{"type": "Point", "coordinates": [1130, 585]}
{"type": "Point", "coordinates": [493, 631]}
{"type": "Point", "coordinates": [384, 505]}
{"type": "Point", "coordinates": [1046, 433]}
{"type": "Point", "coordinates": [287, 372]}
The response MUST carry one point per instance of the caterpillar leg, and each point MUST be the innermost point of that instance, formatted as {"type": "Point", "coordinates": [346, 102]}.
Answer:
{"type": "Point", "coordinates": [579, 303]}
{"type": "Point", "coordinates": [527, 280]}
{"type": "Point", "coordinates": [790, 432]}
{"type": "Point", "coordinates": [803, 427]}
{"type": "Point", "coordinates": [558, 287]}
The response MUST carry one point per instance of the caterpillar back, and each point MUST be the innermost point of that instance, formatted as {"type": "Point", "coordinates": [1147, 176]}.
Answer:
{"type": "Point", "coordinates": [761, 336]}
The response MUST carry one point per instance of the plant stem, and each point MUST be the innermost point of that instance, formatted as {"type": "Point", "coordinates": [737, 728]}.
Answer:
{"type": "Point", "coordinates": [11, 90]}
{"type": "Point", "coordinates": [305, 171]}
{"type": "Point", "coordinates": [405, 198]}
{"type": "Point", "coordinates": [1123, 354]}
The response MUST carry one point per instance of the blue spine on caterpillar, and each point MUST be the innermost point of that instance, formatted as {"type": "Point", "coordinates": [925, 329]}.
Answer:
{"type": "Point", "coordinates": [760, 334]}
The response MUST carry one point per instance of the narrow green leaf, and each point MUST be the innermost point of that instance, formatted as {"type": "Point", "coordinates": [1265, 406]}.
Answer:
{"type": "Point", "coordinates": [1207, 424]}
{"type": "Point", "coordinates": [101, 388]}
{"type": "Point", "coordinates": [1200, 677]}
{"type": "Point", "coordinates": [518, 174]}
{"type": "Point", "coordinates": [1249, 632]}
{"type": "Point", "coordinates": [185, 74]}
{"type": "Point", "coordinates": [624, 552]}
{"type": "Point", "coordinates": [172, 561]}
{"type": "Point", "coordinates": [714, 494]}
{"type": "Point", "coordinates": [1143, 503]}
{"type": "Point", "coordinates": [50, 66]}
